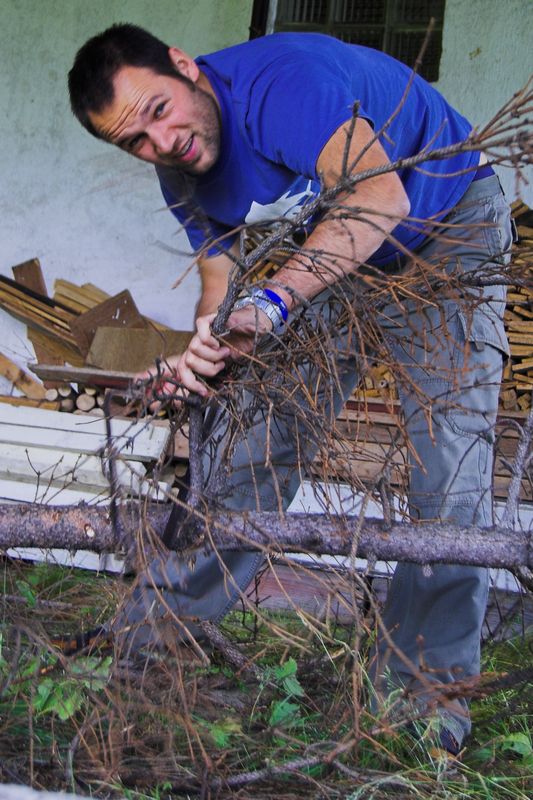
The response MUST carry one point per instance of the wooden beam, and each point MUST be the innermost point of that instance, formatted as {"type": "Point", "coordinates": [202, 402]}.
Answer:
{"type": "Point", "coordinates": [19, 378]}
{"type": "Point", "coordinates": [50, 405]}
{"type": "Point", "coordinates": [85, 375]}
{"type": "Point", "coordinates": [29, 274]}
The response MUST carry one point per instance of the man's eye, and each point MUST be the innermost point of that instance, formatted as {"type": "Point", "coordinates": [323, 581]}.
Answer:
{"type": "Point", "coordinates": [135, 143]}
{"type": "Point", "coordinates": [158, 110]}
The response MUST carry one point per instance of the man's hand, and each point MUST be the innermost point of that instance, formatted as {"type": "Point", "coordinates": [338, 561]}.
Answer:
{"type": "Point", "coordinates": [206, 356]}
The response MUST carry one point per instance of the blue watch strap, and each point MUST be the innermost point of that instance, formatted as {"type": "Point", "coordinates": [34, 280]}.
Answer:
{"type": "Point", "coordinates": [279, 302]}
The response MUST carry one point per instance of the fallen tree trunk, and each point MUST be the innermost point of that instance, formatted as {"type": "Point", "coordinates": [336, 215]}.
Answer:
{"type": "Point", "coordinates": [89, 528]}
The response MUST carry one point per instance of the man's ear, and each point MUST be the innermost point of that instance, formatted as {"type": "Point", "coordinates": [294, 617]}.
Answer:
{"type": "Point", "coordinates": [184, 64]}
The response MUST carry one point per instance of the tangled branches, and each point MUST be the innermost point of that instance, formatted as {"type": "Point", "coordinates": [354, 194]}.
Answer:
{"type": "Point", "coordinates": [298, 686]}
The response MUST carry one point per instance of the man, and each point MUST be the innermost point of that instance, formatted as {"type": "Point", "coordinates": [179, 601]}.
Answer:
{"type": "Point", "coordinates": [252, 133]}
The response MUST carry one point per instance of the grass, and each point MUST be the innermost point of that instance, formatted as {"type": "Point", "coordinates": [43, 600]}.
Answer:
{"type": "Point", "coordinates": [172, 728]}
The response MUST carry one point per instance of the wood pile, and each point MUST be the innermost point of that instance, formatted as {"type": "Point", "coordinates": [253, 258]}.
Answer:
{"type": "Point", "coordinates": [58, 458]}
{"type": "Point", "coordinates": [83, 325]}
{"type": "Point", "coordinates": [369, 437]}
{"type": "Point", "coordinates": [85, 328]}
{"type": "Point", "coordinates": [517, 385]}
{"type": "Point", "coordinates": [88, 344]}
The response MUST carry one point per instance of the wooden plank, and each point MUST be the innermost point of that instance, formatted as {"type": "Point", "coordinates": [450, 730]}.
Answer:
{"type": "Point", "coordinates": [116, 312]}
{"type": "Point", "coordinates": [525, 325]}
{"type": "Point", "coordinates": [95, 292]}
{"type": "Point", "coordinates": [137, 440]}
{"type": "Point", "coordinates": [523, 312]}
{"type": "Point", "coordinates": [85, 375]}
{"type": "Point", "coordinates": [19, 378]}
{"type": "Point", "coordinates": [30, 274]}
{"type": "Point", "coordinates": [133, 349]}
{"type": "Point", "coordinates": [34, 320]}
{"type": "Point", "coordinates": [87, 296]}
{"type": "Point", "coordinates": [518, 350]}
{"type": "Point", "coordinates": [60, 351]}
{"type": "Point", "coordinates": [50, 405]}
{"type": "Point", "coordinates": [79, 308]}
{"type": "Point", "coordinates": [32, 298]}
{"type": "Point", "coordinates": [22, 492]}
{"type": "Point", "coordinates": [50, 485]}
{"type": "Point", "coordinates": [13, 302]}
{"type": "Point", "coordinates": [520, 338]}
{"type": "Point", "coordinates": [523, 366]}
{"type": "Point", "coordinates": [48, 466]}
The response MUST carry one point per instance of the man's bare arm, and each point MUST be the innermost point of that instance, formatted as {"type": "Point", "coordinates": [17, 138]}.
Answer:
{"type": "Point", "coordinates": [214, 275]}
{"type": "Point", "coordinates": [346, 237]}
{"type": "Point", "coordinates": [350, 234]}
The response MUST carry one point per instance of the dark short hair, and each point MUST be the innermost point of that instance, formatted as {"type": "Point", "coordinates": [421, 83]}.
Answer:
{"type": "Point", "coordinates": [90, 81]}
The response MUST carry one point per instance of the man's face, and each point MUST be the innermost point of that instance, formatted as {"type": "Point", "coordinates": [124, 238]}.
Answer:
{"type": "Point", "coordinates": [162, 120]}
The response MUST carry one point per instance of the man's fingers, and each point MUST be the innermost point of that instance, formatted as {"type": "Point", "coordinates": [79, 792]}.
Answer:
{"type": "Point", "coordinates": [203, 352]}
{"type": "Point", "coordinates": [191, 382]}
{"type": "Point", "coordinates": [203, 331]}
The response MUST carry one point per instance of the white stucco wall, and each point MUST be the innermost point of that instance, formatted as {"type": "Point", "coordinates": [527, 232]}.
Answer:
{"type": "Point", "coordinates": [88, 211]}
{"type": "Point", "coordinates": [487, 57]}
{"type": "Point", "coordinates": [91, 213]}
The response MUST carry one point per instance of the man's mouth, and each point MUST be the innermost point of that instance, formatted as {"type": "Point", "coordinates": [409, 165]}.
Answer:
{"type": "Point", "coordinates": [188, 151]}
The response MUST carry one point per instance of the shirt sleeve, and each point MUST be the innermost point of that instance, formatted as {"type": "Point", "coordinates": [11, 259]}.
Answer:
{"type": "Point", "coordinates": [295, 106]}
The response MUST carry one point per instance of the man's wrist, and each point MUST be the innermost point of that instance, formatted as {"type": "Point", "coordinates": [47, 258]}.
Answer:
{"type": "Point", "coordinates": [282, 295]}
{"type": "Point", "coordinates": [270, 303]}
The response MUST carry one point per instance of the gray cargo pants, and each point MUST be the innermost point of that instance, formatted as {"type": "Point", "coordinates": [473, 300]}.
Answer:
{"type": "Point", "coordinates": [455, 360]}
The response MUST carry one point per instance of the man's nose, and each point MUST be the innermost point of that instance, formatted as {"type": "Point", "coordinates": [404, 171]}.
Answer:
{"type": "Point", "coordinates": [162, 138]}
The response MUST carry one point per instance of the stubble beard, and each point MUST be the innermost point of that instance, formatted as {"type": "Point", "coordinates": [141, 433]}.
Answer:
{"type": "Point", "coordinates": [207, 133]}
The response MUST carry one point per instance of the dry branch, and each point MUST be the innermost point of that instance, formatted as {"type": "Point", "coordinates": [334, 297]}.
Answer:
{"type": "Point", "coordinates": [84, 528]}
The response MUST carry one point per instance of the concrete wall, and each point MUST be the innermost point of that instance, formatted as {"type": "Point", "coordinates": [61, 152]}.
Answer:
{"type": "Point", "coordinates": [89, 212]}
{"type": "Point", "coordinates": [487, 56]}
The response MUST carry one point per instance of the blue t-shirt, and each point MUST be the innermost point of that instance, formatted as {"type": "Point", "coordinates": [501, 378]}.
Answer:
{"type": "Point", "coordinates": [281, 98]}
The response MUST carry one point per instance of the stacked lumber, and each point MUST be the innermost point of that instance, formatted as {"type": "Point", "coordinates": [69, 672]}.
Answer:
{"type": "Point", "coordinates": [517, 385]}
{"type": "Point", "coordinates": [83, 325]}
{"type": "Point", "coordinates": [60, 459]}
{"type": "Point", "coordinates": [369, 436]}
{"type": "Point", "coordinates": [48, 319]}
{"type": "Point", "coordinates": [79, 335]}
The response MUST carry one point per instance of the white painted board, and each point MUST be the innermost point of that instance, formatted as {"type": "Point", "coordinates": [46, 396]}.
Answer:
{"type": "Point", "coordinates": [137, 440]}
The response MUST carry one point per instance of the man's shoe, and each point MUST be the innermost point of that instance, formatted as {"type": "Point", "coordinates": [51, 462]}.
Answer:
{"type": "Point", "coordinates": [448, 742]}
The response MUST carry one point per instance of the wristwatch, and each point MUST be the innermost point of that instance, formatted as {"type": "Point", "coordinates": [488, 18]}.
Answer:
{"type": "Point", "coordinates": [270, 303]}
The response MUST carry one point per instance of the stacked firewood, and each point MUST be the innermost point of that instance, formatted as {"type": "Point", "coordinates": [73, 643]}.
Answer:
{"type": "Point", "coordinates": [517, 383]}
{"type": "Point", "coordinates": [88, 341]}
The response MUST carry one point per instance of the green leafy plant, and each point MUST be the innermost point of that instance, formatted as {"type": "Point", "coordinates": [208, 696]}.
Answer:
{"type": "Point", "coordinates": [66, 696]}
{"type": "Point", "coordinates": [223, 730]}
{"type": "Point", "coordinates": [284, 712]}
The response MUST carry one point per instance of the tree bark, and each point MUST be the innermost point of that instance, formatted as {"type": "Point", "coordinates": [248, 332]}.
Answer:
{"type": "Point", "coordinates": [88, 528]}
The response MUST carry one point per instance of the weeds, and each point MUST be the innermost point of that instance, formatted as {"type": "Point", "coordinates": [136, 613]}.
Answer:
{"type": "Point", "coordinates": [150, 730]}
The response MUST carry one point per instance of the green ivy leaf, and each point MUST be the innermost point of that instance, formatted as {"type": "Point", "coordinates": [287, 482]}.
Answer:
{"type": "Point", "coordinates": [293, 687]}
{"type": "Point", "coordinates": [283, 712]}
{"type": "Point", "coordinates": [26, 592]}
{"type": "Point", "coordinates": [518, 743]}
{"type": "Point", "coordinates": [222, 731]}
{"type": "Point", "coordinates": [70, 701]}
{"type": "Point", "coordinates": [286, 670]}
{"type": "Point", "coordinates": [42, 695]}
{"type": "Point", "coordinates": [93, 673]}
